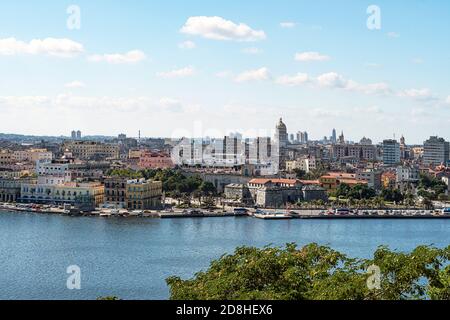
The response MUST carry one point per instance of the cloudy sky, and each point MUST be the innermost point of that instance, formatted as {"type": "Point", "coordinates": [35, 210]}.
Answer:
{"type": "Point", "coordinates": [171, 68]}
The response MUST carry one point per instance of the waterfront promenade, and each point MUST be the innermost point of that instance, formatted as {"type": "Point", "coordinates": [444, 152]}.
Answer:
{"type": "Point", "coordinates": [267, 214]}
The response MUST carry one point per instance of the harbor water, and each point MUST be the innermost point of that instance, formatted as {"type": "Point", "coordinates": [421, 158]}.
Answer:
{"type": "Point", "coordinates": [131, 258]}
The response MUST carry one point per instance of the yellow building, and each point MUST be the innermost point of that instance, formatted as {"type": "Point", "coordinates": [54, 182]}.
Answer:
{"type": "Point", "coordinates": [143, 194]}
{"type": "Point", "coordinates": [68, 193]}
{"type": "Point", "coordinates": [90, 150]}
{"type": "Point", "coordinates": [6, 157]}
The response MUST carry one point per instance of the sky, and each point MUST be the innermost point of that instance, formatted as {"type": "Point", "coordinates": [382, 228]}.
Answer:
{"type": "Point", "coordinates": [206, 68]}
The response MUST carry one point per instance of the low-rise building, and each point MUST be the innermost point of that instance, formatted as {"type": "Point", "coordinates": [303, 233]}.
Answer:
{"type": "Point", "coordinates": [68, 193]}
{"type": "Point", "coordinates": [273, 193]}
{"type": "Point", "coordinates": [407, 174]}
{"type": "Point", "coordinates": [372, 177]}
{"type": "Point", "coordinates": [155, 160]}
{"type": "Point", "coordinates": [90, 150]}
{"type": "Point", "coordinates": [143, 194]}
{"type": "Point", "coordinates": [333, 180]}
{"type": "Point", "coordinates": [388, 179]}
{"type": "Point", "coordinates": [115, 191]}
{"type": "Point", "coordinates": [306, 164]}
{"type": "Point", "coordinates": [33, 155]}
{"type": "Point", "coordinates": [10, 188]}
{"type": "Point", "coordinates": [6, 158]}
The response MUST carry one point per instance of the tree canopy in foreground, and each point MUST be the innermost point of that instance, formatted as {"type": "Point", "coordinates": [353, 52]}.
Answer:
{"type": "Point", "coordinates": [319, 273]}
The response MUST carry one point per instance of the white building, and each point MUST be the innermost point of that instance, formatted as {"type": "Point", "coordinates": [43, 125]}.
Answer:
{"type": "Point", "coordinates": [33, 155]}
{"type": "Point", "coordinates": [435, 151]}
{"type": "Point", "coordinates": [407, 174]}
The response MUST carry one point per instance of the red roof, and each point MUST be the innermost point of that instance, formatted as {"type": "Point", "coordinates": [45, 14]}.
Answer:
{"type": "Point", "coordinates": [275, 181]}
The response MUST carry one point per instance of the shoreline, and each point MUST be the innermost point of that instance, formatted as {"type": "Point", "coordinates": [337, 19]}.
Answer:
{"type": "Point", "coordinates": [270, 214]}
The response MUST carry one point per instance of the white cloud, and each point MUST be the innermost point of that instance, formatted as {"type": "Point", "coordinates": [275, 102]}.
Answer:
{"type": "Point", "coordinates": [217, 28]}
{"type": "Point", "coordinates": [417, 61]}
{"type": "Point", "coordinates": [424, 94]}
{"type": "Point", "coordinates": [251, 50]}
{"type": "Point", "coordinates": [448, 100]}
{"type": "Point", "coordinates": [75, 84]}
{"type": "Point", "coordinates": [393, 35]}
{"type": "Point", "coordinates": [372, 88]}
{"type": "Point", "coordinates": [64, 48]}
{"type": "Point", "coordinates": [178, 73]}
{"type": "Point", "coordinates": [295, 80]}
{"type": "Point", "coordinates": [187, 45]}
{"type": "Point", "coordinates": [333, 80]}
{"type": "Point", "coordinates": [311, 56]}
{"type": "Point", "coordinates": [73, 103]}
{"type": "Point", "coordinates": [130, 57]}
{"type": "Point", "coordinates": [254, 75]}
{"type": "Point", "coordinates": [288, 24]}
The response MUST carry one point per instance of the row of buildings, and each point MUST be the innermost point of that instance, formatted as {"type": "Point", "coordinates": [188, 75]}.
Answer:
{"type": "Point", "coordinates": [272, 154]}
{"type": "Point", "coordinates": [83, 186]}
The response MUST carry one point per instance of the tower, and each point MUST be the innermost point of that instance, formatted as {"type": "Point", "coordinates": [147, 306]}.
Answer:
{"type": "Point", "coordinates": [334, 136]}
{"type": "Point", "coordinates": [281, 142]}
{"type": "Point", "coordinates": [342, 138]}
{"type": "Point", "coordinates": [281, 134]}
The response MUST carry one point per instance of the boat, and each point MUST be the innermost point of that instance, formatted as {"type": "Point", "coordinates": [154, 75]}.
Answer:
{"type": "Point", "coordinates": [342, 212]}
{"type": "Point", "coordinates": [105, 214]}
{"type": "Point", "coordinates": [240, 212]}
{"type": "Point", "coordinates": [136, 213]}
{"type": "Point", "coordinates": [273, 216]}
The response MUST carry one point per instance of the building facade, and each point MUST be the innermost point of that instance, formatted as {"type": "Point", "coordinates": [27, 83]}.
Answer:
{"type": "Point", "coordinates": [436, 151]}
{"type": "Point", "coordinates": [155, 160]}
{"type": "Point", "coordinates": [90, 150]}
{"type": "Point", "coordinates": [143, 194]}
{"type": "Point", "coordinates": [115, 191]}
{"type": "Point", "coordinates": [391, 152]}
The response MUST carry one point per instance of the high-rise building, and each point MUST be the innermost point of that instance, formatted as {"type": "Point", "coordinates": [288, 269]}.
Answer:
{"type": "Point", "coordinates": [302, 137]}
{"type": "Point", "coordinates": [79, 135]}
{"type": "Point", "coordinates": [333, 136]}
{"type": "Point", "coordinates": [74, 135]}
{"type": "Point", "coordinates": [281, 134]}
{"type": "Point", "coordinates": [436, 151]}
{"type": "Point", "coordinates": [281, 142]}
{"type": "Point", "coordinates": [391, 152]}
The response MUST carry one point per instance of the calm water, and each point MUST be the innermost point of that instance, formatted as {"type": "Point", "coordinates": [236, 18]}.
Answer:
{"type": "Point", "coordinates": [130, 258]}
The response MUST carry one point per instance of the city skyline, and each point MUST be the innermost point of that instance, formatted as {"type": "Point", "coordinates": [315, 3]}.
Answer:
{"type": "Point", "coordinates": [170, 65]}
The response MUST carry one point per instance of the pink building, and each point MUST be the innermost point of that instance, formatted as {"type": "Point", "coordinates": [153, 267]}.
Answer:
{"type": "Point", "coordinates": [155, 160]}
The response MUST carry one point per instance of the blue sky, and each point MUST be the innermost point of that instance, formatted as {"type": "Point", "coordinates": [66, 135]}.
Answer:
{"type": "Point", "coordinates": [163, 67]}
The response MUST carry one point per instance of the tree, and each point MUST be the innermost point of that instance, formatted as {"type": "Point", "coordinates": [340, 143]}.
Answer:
{"type": "Point", "coordinates": [301, 174]}
{"type": "Point", "coordinates": [318, 273]}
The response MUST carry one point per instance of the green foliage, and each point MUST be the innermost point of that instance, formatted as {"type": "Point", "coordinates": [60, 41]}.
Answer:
{"type": "Point", "coordinates": [110, 298]}
{"type": "Point", "coordinates": [313, 174]}
{"type": "Point", "coordinates": [392, 195]}
{"type": "Point", "coordinates": [318, 273]}
{"type": "Point", "coordinates": [430, 187]}
{"type": "Point", "coordinates": [175, 183]}
{"type": "Point", "coordinates": [360, 191]}
{"type": "Point", "coordinates": [125, 173]}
